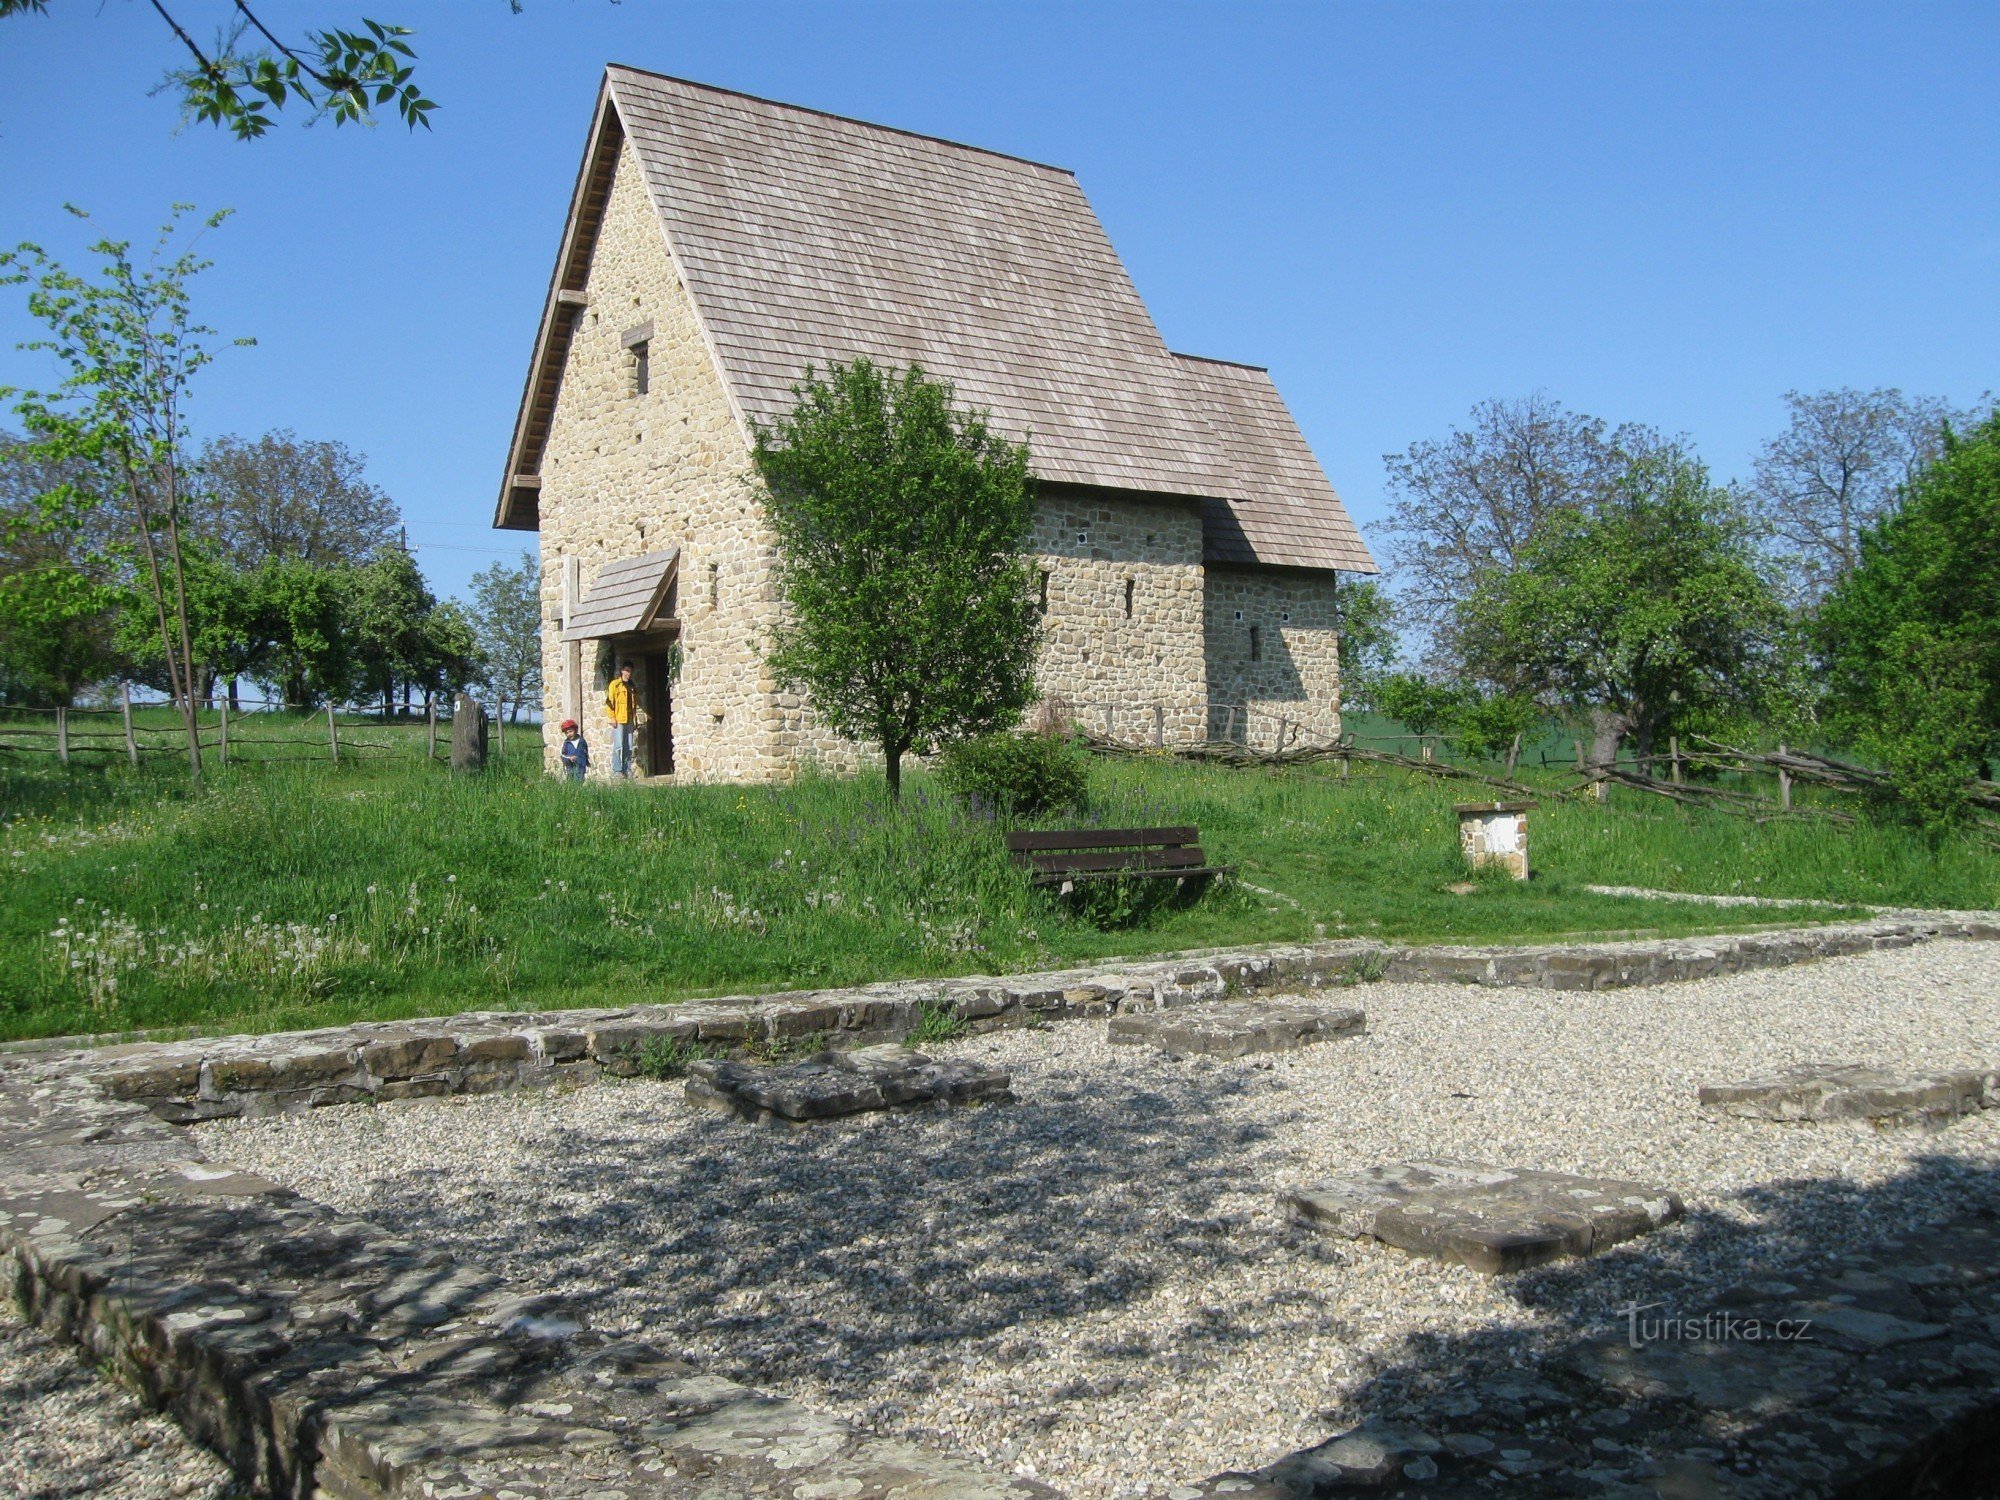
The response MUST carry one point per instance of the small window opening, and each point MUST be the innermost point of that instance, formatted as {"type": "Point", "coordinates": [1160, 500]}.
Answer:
{"type": "Point", "coordinates": [1256, 645]}
{"type": "Point", "coordinates": [1239, 616]}
{"type": "Point", "coordinates": [1044, 603]}
{"type": "Point", "coordinates": [642, 368]}
{"type": "Point", "coordinates": [1285, 618]}
{"type": "Point", "coordinates": [1083, 539]}
{"type": "Point", "coordinates": [1128, 598]}
{"type": "Point", "coordinates": [714, 585]}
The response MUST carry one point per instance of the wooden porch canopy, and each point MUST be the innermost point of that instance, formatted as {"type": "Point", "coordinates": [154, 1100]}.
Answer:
{"type": "Point", "coordinates": [626, 598]}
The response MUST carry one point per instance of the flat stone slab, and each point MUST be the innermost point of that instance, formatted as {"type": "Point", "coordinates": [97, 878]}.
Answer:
{"type": "Point", "coordinates": [1885, 1097]}
{"type": "Point", "coordinates": [831, 1084]}
{"type": "Point", "coordinates": [1236, 1028]}
{"type": "Point", "coordinates": [1493, 1219]}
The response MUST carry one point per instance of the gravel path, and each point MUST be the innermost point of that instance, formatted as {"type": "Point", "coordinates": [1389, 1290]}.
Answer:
{"type": "Point", "coordinates": [1093, 1285]}
{"type": "Point", "coordinates": [66, 1431]}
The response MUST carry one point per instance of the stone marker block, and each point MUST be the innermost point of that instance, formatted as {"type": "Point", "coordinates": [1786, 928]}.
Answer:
{"type": "Point", "coordinates": [468, 734]}
{"type": "Point", "coordinates": [1884, 1097]}
{"type": "Point", "coordinates": [1493, 1219]}
{"type": "Point", "coordinates": [831, 1084]}
{"type": "Point", "coordinates": [1495, 834]}
{"type": "Point", "coordinates": [1236, 1028]}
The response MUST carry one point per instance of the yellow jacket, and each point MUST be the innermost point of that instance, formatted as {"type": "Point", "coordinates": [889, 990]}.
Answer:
{"type": "Point", "coordinates": [618, 701]}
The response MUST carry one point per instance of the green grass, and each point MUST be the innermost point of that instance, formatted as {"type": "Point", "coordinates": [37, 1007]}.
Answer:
{"type": "Point", "coordinates": [293, 894]}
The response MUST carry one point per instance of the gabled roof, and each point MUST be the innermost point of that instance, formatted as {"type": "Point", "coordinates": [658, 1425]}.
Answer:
{"type": "Point", "coordinates": [804, 237]}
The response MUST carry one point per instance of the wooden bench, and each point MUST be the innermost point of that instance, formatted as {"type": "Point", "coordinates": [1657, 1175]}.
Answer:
{"type": "Point", "coordinates": [1065, 856]}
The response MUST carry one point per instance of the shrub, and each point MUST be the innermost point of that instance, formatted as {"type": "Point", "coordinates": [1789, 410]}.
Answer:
{"type": "Point", "coordinates": [1024, 775]}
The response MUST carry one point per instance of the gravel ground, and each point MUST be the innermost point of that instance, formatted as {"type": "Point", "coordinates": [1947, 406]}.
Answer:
{"type": "Point", "coordinates": [1094, 1285]}
{"type": "Point", "coordinates": [65, 1430]}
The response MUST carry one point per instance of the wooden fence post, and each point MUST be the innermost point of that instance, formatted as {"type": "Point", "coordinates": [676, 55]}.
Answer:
{"type": "Point", "coordinates": [1229, 732]}
{"type": "Point", "coordinates": [1784, 783]}
{"type": "Point", "coordinates": [62, 735]}
{"type": "Point", "coordinates": [431, 717]}
{"type": "Point", "coordinates": [131, 740]}
{"type": "Point", "coordinates": [222, 745]}
{"type": "Point", "coordinates": [1159, 727]}
{"type": "Point", "coordinates": [1284, 727]}
{"type": "Point", "coordinates": [332, 734]}
{"type": "Point", "coordinates": [1513, 756]}
{"type": "Point", "coordinates": [1674, 749]}
{"type": "Point", "coordinates": [500, 728]}
{"type": "Point", "coordinates": [1111, 721]}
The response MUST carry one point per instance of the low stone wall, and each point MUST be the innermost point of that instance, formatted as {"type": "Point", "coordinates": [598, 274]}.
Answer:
{"type": "Point", "coordinates": [326, 1359]}
{"type": "Point", "coordinates": [482, 1051]}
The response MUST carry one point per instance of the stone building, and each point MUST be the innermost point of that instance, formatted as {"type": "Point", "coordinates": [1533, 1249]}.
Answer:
{"type": "Point", "coordinates": [716, 245]}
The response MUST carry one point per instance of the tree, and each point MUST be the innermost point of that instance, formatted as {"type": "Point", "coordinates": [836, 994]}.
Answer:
{"type": "Point", "coordinates": [1840, 465]}
{"type": "Point", "coordinates": [249, 71]}
{"type": "Point", "coordinates": [1919, 614]}
{"type": "Point", "coordinates": [1468, 505]}
{"type": "Point", "coordinates": [132, 349]}
{"type": "Point", "coordinates": [1365, 617]}
{"type": "Point", "coordinates": [909, 606]}
{"type": "Point", "coordinates": [506, 619]}
{"type": "Point", "coordinates": [387, 615]}
{"type": "Point", "coordinates": [301, 619]}
{"type": "Point", "coordinates": [1650, 612]}
{"type": "Point", "coordinates": [283, 496]}
{"type": "Point", "coordinates": [58, 593]}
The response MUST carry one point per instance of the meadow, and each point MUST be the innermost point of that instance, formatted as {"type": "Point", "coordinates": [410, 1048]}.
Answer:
{"type": "Point", "coordinates": [293, 893]}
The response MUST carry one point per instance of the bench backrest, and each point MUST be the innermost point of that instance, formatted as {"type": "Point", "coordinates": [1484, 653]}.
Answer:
{"type": "Point", "coordinates": [1084, 850]}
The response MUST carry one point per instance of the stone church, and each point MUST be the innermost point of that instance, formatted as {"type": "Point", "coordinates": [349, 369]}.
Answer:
{"type": "Point", "coordinates": [1188, 541]}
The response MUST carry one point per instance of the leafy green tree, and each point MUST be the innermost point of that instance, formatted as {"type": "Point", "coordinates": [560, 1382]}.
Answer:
{"type": "Point", "coordinates": [909, 606]}
{"type": "Point", "coordinates": [1466, 506]}
{"type": "Point", "coordinates": [1365, 617]}
{"type": "Point", "coordinates": [249, 71]}
{"type": "Point", "coordinates": [1650, 613]}
{"type": "Point", "coordinates": [301, 621]}
{"type": "Point", "coordinates": [59, 594]}
{"type": "Point", "coordinates": [284, 496]}
{"type": "Point", "coordinates": [387, 620]}
{"type": "Point", "coordinates": [506, 618]}
{"type": "Point", "coordinates": [1420, 705]}
{"type": "Point", "coordinates": [449, 657]}
{"type": "Point", "coordinates": [1920, 613]}
{"type": "Point", "coordinates": [131, 350]}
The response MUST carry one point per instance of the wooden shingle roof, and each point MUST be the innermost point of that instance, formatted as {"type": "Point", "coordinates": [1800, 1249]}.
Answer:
{"type": "Point", "coordinates": [805, 238]}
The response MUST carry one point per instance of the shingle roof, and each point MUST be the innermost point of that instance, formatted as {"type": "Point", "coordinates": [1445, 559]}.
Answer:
{"type": "Point", "coordinates": [805, 237]}
{"type": "Point", "coordinates": [625, 596]}
{"type": "Point", "coordinates": [1278, 506]}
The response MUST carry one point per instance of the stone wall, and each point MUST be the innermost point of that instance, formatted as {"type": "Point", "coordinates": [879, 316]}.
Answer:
{"type": "Point", "coordinates": [626, 474]}
{"type": "Point", "coordinates": [1288, 670]}
{"type": "Point", "coordinates": [1122, 633]}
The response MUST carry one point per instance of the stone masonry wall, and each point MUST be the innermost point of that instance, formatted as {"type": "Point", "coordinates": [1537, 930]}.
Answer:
{"type": "Point", "coordinates": [1294, 674]}
{"type": "Point", "coordinates": [1095, 656]}
{"type": "Point", "coordinates": [625, 474]}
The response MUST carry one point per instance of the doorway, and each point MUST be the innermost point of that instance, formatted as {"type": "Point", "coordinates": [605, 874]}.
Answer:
{"type": "Point", "coordinates": [659, 715]}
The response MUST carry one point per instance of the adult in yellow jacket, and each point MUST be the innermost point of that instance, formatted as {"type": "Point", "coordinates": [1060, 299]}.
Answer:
{"type": "Point", "coordinates": [620, 703]}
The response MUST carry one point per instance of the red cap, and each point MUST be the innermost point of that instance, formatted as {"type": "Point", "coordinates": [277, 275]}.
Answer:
{"type": "Point", "coordinates": [569, 723]}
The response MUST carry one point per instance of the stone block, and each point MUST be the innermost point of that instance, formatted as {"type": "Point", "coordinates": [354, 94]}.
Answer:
{"type": "Point", "coordinates": [505, 1048]}
{"type": "Point", "coordinates": [1492, 1219]}
{"type": "Point", "coordinates": [1884, 1097]}
{"type": "Point", "coordinates": [271, 1071]}
{"type": "Point", "coordinates": [407, 1056]}
{"type": "Point", "coordinates": [832, 1084]}
{"type": "Point", "coordinates": [180, 1077]}
{"type": "Point", "coordinates": [1236, 1028]}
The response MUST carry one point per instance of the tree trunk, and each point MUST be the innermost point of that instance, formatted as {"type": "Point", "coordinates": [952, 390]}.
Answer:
{"type": "Point", "coordinates": [235, 704]}
{"type": "Point", "coordinates": [1608, 728]}
{"type": "Point", "coordinates": [892, 762]}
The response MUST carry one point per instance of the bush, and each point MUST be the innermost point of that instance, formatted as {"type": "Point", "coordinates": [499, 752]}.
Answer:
{"type": "Point", "coordinates": [1023, 775]}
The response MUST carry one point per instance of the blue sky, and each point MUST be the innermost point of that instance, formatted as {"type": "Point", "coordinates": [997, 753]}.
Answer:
{"type": "Point", "coordinates": [1664, 213]}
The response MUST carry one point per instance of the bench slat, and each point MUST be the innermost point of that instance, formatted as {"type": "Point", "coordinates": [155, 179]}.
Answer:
{"type": "Point", "coordinates": [1100, 838]}
{"type": "Point", "coordinates": [1129, 859]}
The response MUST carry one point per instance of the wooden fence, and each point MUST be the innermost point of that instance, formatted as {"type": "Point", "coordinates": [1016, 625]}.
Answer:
{"type": "Point", "coordinates": [265, 731]}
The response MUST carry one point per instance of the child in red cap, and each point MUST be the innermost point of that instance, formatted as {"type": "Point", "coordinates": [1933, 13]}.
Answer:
{"type": "Point", "coordinates": [575, 752]}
